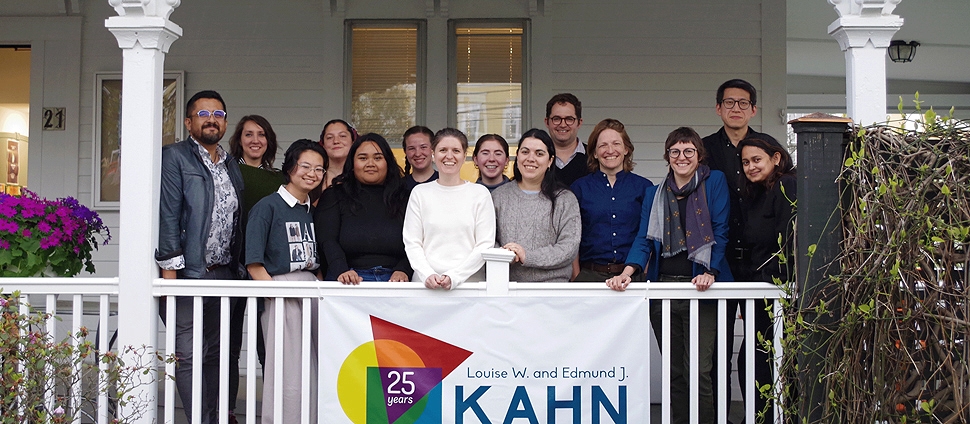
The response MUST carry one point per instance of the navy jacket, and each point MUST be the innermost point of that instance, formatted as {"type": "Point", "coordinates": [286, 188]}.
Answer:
{"type": "Point", "coordinates": [646, 253]}
{"type": "Point", "coordinates": [185, 208]}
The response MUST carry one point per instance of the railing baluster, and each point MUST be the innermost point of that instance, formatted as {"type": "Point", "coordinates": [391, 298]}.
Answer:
{"type": "Point", "coordinates": [170, 366]}
{"type": "Point", "coordinates": [51, 309]}
{"type": "Point", "coordinates": [278, 360]}
{"type": "Point", "coordinates": [78, 312]}
{"type": "Point", "coordinates": [198, 359]}
{"type": "Point", "coordinates": [103, 331]}
{"type": "Point", "coordinates": [305, 363]}
{"type": "Point", "coordinates": [779, 330]}
{"type": "Point", "coordinates": [252, 316]}
{"type": "Point", "coordinates": [694, 362]}
{"type": "Point", "coordinates": [723, 394]}
{"type": "Point", "coordinates": [321, 356]}
{"type": "Point", "coordinates": [751, 339]}
{"type": "Point", "coordinates": [665, 359]}
{"type": "Point", "coordinates": [224, 348]}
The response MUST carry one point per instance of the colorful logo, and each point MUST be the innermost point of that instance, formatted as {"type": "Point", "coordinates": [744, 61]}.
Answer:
{"type": "Point", "coordinates": [396, 379]}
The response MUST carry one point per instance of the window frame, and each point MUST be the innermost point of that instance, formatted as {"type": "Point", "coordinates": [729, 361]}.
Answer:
{"type": "Point", "coordinates": [526, 89]}
{"type": "Point", "coordinates": [421, 79]}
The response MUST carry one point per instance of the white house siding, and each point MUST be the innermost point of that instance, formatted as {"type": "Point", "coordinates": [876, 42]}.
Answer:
{"type": "Point", "coordinates": [652, 64]}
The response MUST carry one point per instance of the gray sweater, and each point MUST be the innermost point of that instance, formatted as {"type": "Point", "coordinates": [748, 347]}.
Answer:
{"type": "Point", "coordinates": [550, 244]}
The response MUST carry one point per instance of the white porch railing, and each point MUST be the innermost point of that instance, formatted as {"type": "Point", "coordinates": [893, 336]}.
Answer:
{"type": "Point", "coordinates": [83, 299]}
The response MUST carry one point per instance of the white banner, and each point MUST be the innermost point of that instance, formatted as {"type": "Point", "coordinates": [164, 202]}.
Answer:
{"type": "Point", "coordinates": [485, 360]}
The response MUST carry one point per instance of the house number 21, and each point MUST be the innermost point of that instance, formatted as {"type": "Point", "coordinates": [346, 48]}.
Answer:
{"type": "Point", "coordinates": [54, 118]}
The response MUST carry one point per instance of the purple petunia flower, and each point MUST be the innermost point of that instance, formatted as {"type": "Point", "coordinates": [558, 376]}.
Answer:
{"type": "Point", "coordinates": [26, 233]}
{"type": "Point", "coordinates": [48, 242]}
{"type": "Point", "coordinates": [9, 226]}
{"type": "Point", "coordinates": [44, 227]}
{"type": "Point", "coordinates": [4, 244]}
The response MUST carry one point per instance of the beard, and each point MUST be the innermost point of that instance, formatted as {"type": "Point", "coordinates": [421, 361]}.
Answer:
{"type": "Point", "coordinates": [209, 138]}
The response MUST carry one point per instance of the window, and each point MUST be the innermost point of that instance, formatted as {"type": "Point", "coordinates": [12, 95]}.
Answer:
{"type": "Point", "coordinates": [386, 69]}
{"type": "Point", "coordinates": [488, 74]}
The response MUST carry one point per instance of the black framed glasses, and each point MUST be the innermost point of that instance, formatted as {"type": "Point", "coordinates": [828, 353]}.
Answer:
{"type": "Point", "coordinates": [675, 153]}
{"type": "Point", "coordinates": [743, 104]}
{"type": "Point", "coordinates": [556, 120]}
{"type": "Point", "coordinates": [216, 114]}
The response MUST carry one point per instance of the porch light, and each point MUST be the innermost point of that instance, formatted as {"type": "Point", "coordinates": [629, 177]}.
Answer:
{"type": "Point", "coordinates": [901, 51]}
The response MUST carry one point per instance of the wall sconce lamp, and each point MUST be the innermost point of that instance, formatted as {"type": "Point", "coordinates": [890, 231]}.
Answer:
{"type": "Point", "coordinates": [901, 51]}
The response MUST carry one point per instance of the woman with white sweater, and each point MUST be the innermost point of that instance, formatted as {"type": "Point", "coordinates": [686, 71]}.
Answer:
{"type": "Point", "coordinates": [537, 218]}
{"type": "Point", "coordinates": [449, 222]}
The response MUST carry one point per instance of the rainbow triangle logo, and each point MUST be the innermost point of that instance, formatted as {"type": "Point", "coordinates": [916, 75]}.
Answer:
{"type": "Point", "coordinates": [396, 378]}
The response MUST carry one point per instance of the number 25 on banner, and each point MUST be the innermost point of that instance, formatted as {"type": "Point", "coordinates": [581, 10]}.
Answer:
{"type": "Point", "coordinates": [54, 118]}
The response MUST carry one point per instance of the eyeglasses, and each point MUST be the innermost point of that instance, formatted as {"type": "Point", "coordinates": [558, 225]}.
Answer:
{"type": "Point", "coordinates": [556, 120]}
{"type": "Point", "coordinates": [743, 104]}
{"type": "Point", "coordinates": [675, 153]}
{"type": "Point", "coordinates": [306, 168]}
{"type": "Point", "coordinates": [215, 114]}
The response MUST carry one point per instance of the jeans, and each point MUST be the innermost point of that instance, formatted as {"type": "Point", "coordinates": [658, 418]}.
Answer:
{"type": "Point", "coordinates": [377, 273]}
{"type": "Point", "coordinates": [210, 349]}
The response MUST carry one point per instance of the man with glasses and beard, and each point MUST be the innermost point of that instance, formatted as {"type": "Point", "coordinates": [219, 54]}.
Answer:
{"type": "Point", "coordinates": [736, 105]}
{"type": "Point", "coordinates": [199, 237]}
{"type": "Point", "coordinates": [564, 116]}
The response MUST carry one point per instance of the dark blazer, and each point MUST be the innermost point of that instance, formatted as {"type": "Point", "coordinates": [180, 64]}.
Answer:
{"type": "Point", "coordinates": [185, 208]}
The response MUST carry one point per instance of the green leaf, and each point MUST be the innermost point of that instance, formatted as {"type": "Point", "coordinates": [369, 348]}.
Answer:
{"type": "Point", "coordinates": [945, 190]}
{"type": "Point", "coordinates": [930, 116]}
{"type": "Point", "coordinates": [925, 406]}
{"type": "Point", "coordinates": [899, 107]}
{"type": "Point", "coordinates": [849, 162]}
{"type": "Point", "coordinates": [811, 250]}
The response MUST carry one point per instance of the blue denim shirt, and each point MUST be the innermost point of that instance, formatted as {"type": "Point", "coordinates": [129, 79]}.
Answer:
{"type": "Point", "coordinates": [610, 215]}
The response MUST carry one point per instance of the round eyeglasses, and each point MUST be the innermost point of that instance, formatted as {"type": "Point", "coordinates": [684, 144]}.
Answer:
{"type": "Point", "coordinates": [675, 153]}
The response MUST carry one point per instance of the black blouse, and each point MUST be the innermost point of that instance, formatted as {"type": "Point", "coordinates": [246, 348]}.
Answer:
{"type": "Point", "coordinates": [361, 239]}
{"type": "Point", "coordinates": [768, 214]}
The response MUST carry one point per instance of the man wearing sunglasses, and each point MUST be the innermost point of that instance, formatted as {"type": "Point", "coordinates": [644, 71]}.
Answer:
{"type": "Point", "coordinates": [736, 105]}
{"type": "Point", "coordinates": [199, 237]}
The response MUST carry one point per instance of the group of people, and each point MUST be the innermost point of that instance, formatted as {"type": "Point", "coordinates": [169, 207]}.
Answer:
{"type": "Point", "coordinates": [342, 209]}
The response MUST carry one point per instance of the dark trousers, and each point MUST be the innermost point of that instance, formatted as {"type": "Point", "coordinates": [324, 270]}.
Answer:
{"type": "Point", "coordinates": [680, 357]}
{"type": "Point", "coordinates": [209, 362]}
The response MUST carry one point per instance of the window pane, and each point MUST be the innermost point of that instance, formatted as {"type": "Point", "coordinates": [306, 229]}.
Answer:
{"type": "Point", "coordinates": [384, 73]}
{"type": "Point", "coordinates": [489, 62]}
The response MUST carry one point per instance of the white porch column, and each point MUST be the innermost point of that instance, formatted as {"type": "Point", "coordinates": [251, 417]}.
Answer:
{"type": "Point", "coordinates": [864, 30]}
{"type": "Point", "coordinates": [144, 34]}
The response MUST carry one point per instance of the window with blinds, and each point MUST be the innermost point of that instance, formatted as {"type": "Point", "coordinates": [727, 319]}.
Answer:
{"type": "Point", "coordinates": [489, 76]}
{"type": "Point", "coordinates": [384, 69]}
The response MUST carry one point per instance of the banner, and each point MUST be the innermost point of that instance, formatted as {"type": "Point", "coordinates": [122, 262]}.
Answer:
{"type": "Point", "coordinates": [485, 360]}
